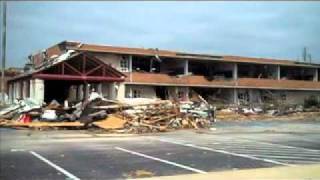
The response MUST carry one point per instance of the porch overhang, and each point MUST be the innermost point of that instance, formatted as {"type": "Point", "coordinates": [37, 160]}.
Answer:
{"type": "Point", "coordinates": [77, 77]}
{"type": "Point", "coordinates": [79, 67]}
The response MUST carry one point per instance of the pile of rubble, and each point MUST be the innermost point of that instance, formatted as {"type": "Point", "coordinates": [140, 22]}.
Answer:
{"type": "Point", "coordinates": [133, 116]}
{"type": "Point", "coordinates": [268, 112]}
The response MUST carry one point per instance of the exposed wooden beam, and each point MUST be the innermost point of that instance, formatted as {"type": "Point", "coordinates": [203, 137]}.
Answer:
{"type": "Point", "coordinates": [94, 69]}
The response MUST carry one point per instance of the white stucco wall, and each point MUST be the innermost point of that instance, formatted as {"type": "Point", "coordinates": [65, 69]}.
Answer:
{"type": "Point", "coordinates": [111, 59]}
{"type": "Point", "coordinates": [37, 90]}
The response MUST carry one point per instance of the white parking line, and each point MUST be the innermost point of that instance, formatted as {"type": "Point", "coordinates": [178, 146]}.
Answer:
{"type": "Point", "coordinates": [162, 160]}
{"type": "Point", "coordinates": [65, 172]}
{"type": "Point", "coordinates": [17, 150]}
{"type": "Point", "coordinates": [225, 152]}
{"type": "Point", "coordinates": [281, 145]}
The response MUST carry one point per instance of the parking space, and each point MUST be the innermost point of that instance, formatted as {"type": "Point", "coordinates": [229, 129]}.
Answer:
{"type": "Point", "coordinates": [182, 152]}
{"type": "Point", "coordinates": [23, 165]}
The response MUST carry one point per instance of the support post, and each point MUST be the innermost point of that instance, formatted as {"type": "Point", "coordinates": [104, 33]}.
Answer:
{"type": "Point", "coordinates": [186, 67]}
{"type": "Point", "coordinates": [187, 93]}
{"type": "Point", "coordinates": [85, 91]}
{"type": "Point", "coordinates": [99, 88]}
{"type": "Point", "coordinates": [316, 75]}
{"type": "Point", "coordinates": [39, 90]}
{"type": "Point", "coordinates": [235, 72]}
{"type": "Point", "coordinates": [235, 96]}
{"type": "Point", "coordinates": [120, 91]}
{"type": "Point", "coordinates": [130, 67]}
{"type": "Point", "coordinates": [10, 93]}
{"type": "Point", "coordinates": [278, 72]}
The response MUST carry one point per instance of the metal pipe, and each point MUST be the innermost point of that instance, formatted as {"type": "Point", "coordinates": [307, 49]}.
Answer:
{"type": "Point", "coordinates": [4, 27]}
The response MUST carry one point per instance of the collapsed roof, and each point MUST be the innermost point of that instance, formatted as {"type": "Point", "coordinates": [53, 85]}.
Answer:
{"type": "Point", "coordinates": [81, 47]}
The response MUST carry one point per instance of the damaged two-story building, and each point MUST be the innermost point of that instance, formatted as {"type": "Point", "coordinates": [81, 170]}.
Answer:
{"type": "Point", "coordinates": [69, 70]}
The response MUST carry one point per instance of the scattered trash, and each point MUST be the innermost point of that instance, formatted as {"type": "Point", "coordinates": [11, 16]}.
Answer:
{"type": "Point", "coordinates": [49, 115]}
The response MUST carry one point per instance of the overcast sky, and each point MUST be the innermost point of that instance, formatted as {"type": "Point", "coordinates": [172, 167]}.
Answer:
{"type": "Point", "coordinates": [258, 29]}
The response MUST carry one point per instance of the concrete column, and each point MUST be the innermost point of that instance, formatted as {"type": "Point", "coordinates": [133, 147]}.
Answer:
{"type": "Point", "coordinates": [15, 90]}
{"type": "Point", "coordinates": [130, 68]}
{"type": "Point", "coordinates": [235, 72]}
{"type": "Point", "coordinates": [18, 89]}
{"type": "Point", "coordinates": [235, 96]}
{"type": "Point", "coordinates": [251, 96]}
{"type": "Point", "coordinates": [112, 91]}
{"type": "Point", "coordinates": [187, 93]}
{"type": "Point", "coordinates": [39, 90]}
{"type": "Point", "coordinates": [130, 91]}
{"type": "Point", "coordinates": [186, 67]}
{"type": "Point", "coordinates": [10, 92]}
{"type": "Point", "coordinates": [130, 63]}
{"type": "Point", "coordinates": [24, 90]}
{"type": "Point", "coordinates": [278, 72]}
{"type": "Point", "coordinates": [120, 91]}
{"type": "Point", "coordinates": [316, 75]}
{"type": "Point", "coordinates": [31, 88]}
{"type": "Point", "coordinates": [99, 88]}
{"type": "Point", "coordinates": [86, 90]}
{"type": "Point", "coordinates": [80, 92]}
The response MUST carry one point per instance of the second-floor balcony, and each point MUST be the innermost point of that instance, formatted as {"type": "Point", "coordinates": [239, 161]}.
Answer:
{"type": "Point", "coordinates": [202, 81]}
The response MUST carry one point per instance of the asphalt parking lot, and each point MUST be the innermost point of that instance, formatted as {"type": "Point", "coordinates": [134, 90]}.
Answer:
{"type": "Point", "coordinates": [85, 155]}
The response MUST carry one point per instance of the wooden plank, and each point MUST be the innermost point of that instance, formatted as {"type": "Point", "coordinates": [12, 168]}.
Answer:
{"type": "Point", "coordinates": [43, 124]}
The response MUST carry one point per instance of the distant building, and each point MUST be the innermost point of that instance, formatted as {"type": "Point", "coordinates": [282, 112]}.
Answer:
{"type": "Point", "coordinates": [10, 73]}
{"type": "Point", "coordinates": [69, 69]}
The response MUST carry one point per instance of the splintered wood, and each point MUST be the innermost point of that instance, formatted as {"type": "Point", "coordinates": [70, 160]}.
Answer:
{"type": "Point", "coordinates": [111, 122]}
{"type": "Point", "coordinates": [41, 124]}
{"type": "Point", "coordinates": [134, 118]}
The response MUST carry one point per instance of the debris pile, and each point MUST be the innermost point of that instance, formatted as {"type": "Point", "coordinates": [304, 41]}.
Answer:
{"type": "Point", "coordinates": [267, 112]}
{"type": "Point", "coordinates": [134, 116]}
{"type": "Point", "coordinates": [164, 115]}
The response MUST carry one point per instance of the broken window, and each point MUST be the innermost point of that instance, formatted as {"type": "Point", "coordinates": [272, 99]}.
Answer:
{"type": "Point", "coordinates": [124, 64]}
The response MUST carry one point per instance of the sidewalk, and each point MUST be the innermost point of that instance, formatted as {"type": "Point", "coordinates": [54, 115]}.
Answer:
{"type": "Point", "coordinates": [309, 172]}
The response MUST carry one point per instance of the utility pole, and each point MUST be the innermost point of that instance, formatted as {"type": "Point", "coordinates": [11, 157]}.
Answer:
{"type": "Point", "coordinates": [4, 27]}
{"type": "Point", "coordinates": [304, 54]}
{"type": "Point", "coordinates": [310, 58]}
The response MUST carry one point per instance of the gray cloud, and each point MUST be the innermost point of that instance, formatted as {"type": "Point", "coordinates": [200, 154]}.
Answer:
{"type": "Point", "coordinates": [262, 29]}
